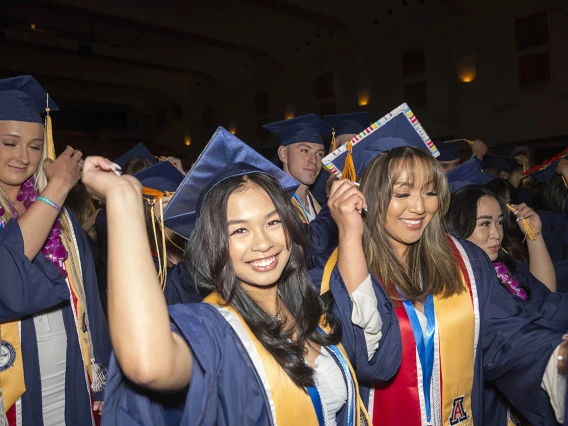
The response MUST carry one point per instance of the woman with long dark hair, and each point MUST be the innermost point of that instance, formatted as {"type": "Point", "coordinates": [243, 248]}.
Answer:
{"type": "Point", "coordinates": [264, 348]}
{"type": "Point", "coordinates": [455, 330]}
{"type": "Point", "coordinates": [478, 215]}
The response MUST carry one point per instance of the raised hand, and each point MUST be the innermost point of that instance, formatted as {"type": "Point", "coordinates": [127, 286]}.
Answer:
{"type": "Point", "coordinates": [66, 169]}
{"type": "Point", "coordinates": [101, 176]}
{"type": "Point", "coordinates": [346, 204]}
{"type": "Point", "coordinates": [522, 211]}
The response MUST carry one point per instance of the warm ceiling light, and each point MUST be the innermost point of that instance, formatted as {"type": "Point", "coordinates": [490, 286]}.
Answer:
{"type": "Point", "coordinates": [364, 97]}
{"type": "Point", "coordinates": [289, 113]}
{"type": "Point", "coordinates": [233, 128]}
{"type": "Point", "coordinates": [32, 27]}
{"type": "Point", "coordinates": [187, 141]}
{"type": "Point", "coordinates": [467, 69]}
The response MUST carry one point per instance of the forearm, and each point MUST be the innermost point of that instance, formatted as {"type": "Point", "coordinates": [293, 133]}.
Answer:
{"type": "Point", "coordinates": [138, 317]}
{"type": "Point", "coordinates": [351, 261]}
{"type": "Point", "coordinates": [37, 221]}
{"type": "Point", "coordinates": [540, 264]}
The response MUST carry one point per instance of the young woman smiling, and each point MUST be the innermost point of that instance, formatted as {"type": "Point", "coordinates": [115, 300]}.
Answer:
{"type": "Point", "coordinates": [53, 332]}
{"type": "Point", "coordinates": [440, 293]}
{"type": "Point", "coordinates": [263, 348]}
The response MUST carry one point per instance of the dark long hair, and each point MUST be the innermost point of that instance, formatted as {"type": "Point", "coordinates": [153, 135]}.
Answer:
{"type": "Point", "coordinates": [430, 256]}
{"type": "Point", "coordinates": [461, 219]}
{"type": "Point", "coordinates": [207, 254]}
{"type": "Point", "coordinates": [552, 195]}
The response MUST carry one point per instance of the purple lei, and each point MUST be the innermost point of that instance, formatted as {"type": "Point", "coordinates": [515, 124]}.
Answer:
{"type": "Point", "coordinates": [508, 281]}
{"type": "Point", "coordinates": [53, 249]}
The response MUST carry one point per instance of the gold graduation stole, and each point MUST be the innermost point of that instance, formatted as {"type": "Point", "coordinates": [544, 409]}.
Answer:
{"type": "Point", "coordinates": [455, 318]}
{"type": "Point", "coordinates": [293, 405]}
{"type": "Point", "coordinates": [11, 364]}
{"type": "Point", "coordinates": [302, 212]}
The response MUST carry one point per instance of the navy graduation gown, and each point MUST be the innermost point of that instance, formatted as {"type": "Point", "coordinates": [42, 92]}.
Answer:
{"type": "Point", "coordinates": [225, 388]}
{"type": "Point", "coordinates": [515, 342]}
{"type": "Point", "coordinates": [34, 287]}
{"type": "Point", "coordinates": [180, 287]}
{"type": "Point", "coordinates": [318, 188]}
{"type": "Point", "coordinates": [322, 233]}
{"type": "Point", "coordinates": [555, 234]}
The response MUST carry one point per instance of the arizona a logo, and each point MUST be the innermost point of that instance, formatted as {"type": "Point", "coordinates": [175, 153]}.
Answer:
{"type": "Point", "coordinates": [458, 412]}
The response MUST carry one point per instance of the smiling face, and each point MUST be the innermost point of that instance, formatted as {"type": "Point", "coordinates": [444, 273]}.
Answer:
{"type": "Point", "coordinates": [488, 232]}
{"type": "Point", "coordinates": [258, 246]}
{"type": "Point", "coordinates": [413, 203]}
{"type": "Point", "coordinates": [302, 161]}
{"type": "Point", "coordinates": [21, 145]}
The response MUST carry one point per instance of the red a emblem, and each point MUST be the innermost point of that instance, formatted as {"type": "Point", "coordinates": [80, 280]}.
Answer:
{"type": "Point", "coordinates": [458, 412]}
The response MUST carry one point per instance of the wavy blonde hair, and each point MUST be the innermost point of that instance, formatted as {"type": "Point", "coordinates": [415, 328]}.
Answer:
{"type": "Point", "coordinates": [432, 255]}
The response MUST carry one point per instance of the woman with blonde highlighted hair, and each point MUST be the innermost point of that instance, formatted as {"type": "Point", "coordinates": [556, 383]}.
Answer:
{"type": "Point", "coordinates": [54, 341]}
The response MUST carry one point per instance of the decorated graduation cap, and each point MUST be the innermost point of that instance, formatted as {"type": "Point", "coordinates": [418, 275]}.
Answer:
{"type": "Point", "coordinates": [397, 129]}
{"type": "Point", "coordinates": [23, 99]}
{"type": "Point", "coordinates": [501, 163]}
{"type": "Point", "coordinates": [449, 151]}
{"type": "Point", "coordinates": [140, 150]}
{"type": "Point", "coordinates": [306, 128]}
{"type": "Point", "coordinates": [469, 173]}
{"type": "Point", "coordinates": [225, 156]}
{"type": "Point", "coordinates": [546, 170]}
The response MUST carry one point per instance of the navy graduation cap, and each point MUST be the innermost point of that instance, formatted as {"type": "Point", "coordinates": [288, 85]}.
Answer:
{"type": "Point", "coordinates": [140, 150]}
{"type": "Point", "coordinates": [23, 99]}
{"type": "Point", "coordinates": [348, 124]}
{"type": "Point", "coordinates": [546, 170]}
{"type": "Point", "coordinates": [163, 177]}
{"type": "Point", "coordinates": [306, 128]}
{"type": "Point", "coordinates": [225, 156]}
{"type": "Point", "coordinates": [398, 128]}
{"type": "Point", "coordinates": [448, 151]}
{"type": "Point", "coordinates": [469, 173]}
{"type": "Point", "coordinates": [501, 163]}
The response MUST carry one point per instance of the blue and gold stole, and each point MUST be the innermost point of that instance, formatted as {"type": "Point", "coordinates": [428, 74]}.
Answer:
{"type": "Point", "coordinates": [289, 404]}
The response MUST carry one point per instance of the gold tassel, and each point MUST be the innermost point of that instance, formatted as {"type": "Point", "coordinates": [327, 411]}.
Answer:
{"type": "Point", "coordinates": [565, 183]}
{"type": "Point", "coordinates": [526, 226]}
{"type": "Point", "coordinates": [470, 143]}
{"type": "Point", "coordinates": [349, 168]}
{"type": "Point", "coordinates": [50, 146]}
{"type": "Point", "coordinates": [333, 146]}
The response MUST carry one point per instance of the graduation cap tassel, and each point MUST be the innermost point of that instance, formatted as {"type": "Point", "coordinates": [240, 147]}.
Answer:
{"type": "Point", "coordinates": [526, 226]}
{"type": "Point", "coordinates": [349, 168]}
{"type": "Point", "coordinates": [333, 146]}
{"type": "Point", "coordinates": [50, 146]}
{"type": "Point", "coordinates": [164, 271]}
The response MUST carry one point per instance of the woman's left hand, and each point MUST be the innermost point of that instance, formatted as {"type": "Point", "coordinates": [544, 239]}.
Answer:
{"type": "Point", "coordinates": [525, 212]}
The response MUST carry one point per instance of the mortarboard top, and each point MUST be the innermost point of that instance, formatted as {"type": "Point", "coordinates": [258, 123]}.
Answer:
{"type": "Point", "coordinates": [348, 124]}
{"type": "Point", "coordinates": [306, 128]}
{"type": "Point", "coordinates": [469, 173]}
{"type": "Point", "coordinates": [449, 151]}
{"type": "Point", "coordinates": [163, 177]}
{"type": "Point", "coordinates": [140, 150]}
{"type": "Point", "coordinates": [225, 156]}
{"type": "Point", "coordinates": [546, 170]}
{"type": "Point", "coordinates": [398, 128]}
{"type": "Point", "coordinates": [501, 163]}
{"type": "Point", "coordinates": [23, 99]}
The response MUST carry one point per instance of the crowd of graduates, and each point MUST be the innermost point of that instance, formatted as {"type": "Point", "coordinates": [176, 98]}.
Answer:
{"type": "Point", "coordinates": [374, 280]}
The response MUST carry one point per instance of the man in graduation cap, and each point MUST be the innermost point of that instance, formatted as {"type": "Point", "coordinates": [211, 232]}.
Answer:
{"type": "Point", "coordinates": [345, 127]}
{"type": "Point", "coordinates": [301, 151]}
{"type": "Point", "coordinates": [449, 156]}
{"type": "Point", "coordinates": [500, 165]}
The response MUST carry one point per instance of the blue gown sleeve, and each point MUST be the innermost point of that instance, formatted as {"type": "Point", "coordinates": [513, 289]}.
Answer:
{"type": "Point", "coordinates": [386, 361]}
{"type": "Point", "coordinates": [224, 389]}
{"type": "Point", "coordinates": [28, 287]}
{"type": "Point", "coordinates": [97, 321]}
{"type": "Point", "coordinates": [516, 342]}
{"type": "Point", "coordinates": [322, 233]}
{"type": "Point", "coordinates": [555, 234]}
{"type": "Point", "coordinates": [536, 289]}
{"type": "Point", "coordinates": [180, 287]}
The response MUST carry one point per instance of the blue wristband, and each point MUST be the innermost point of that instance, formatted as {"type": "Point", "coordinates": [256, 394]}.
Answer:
{"type": "Point", "coordinates": [48, 202]}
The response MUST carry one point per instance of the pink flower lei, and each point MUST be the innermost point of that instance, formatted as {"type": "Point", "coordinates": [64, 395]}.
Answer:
{"type": "Point", "coordinates": [53, 249]}
{"type": "Point", "coordinates": [508, 281]}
